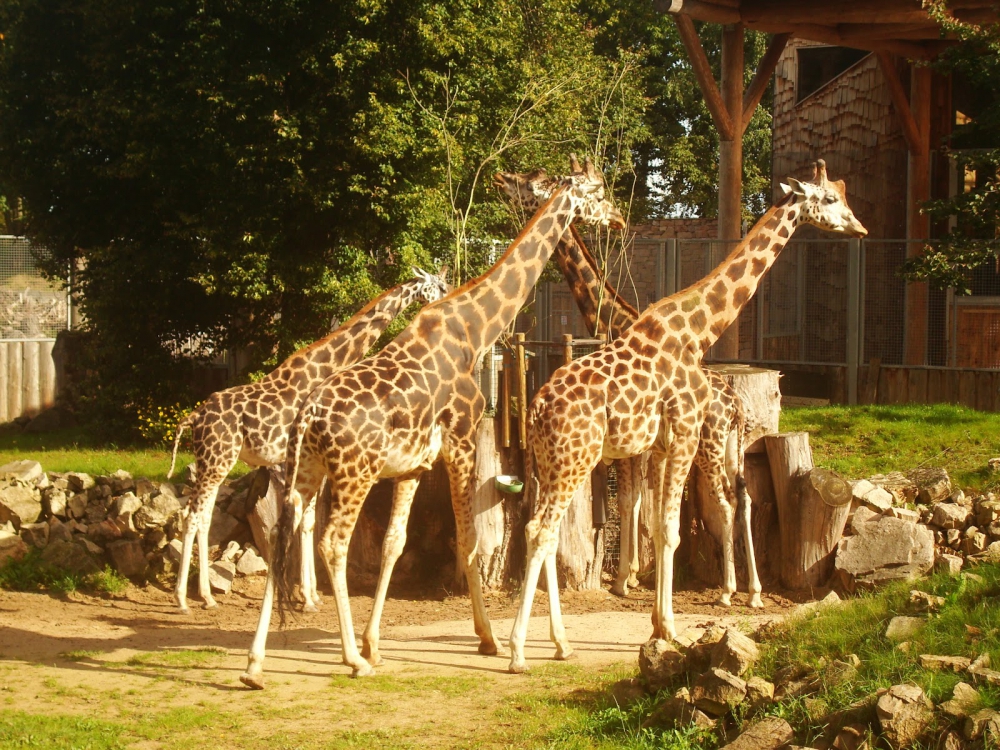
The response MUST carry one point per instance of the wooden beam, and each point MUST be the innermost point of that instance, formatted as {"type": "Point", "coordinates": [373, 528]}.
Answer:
{"type": "Point", "coordinates": [918, 224]}
{"type": "Point", "coordinates": [889, 31]}
{"type": "Point", "coordinates": [765, 69]}
{"type": "Point", "coordinates": [844, 11]}
{"type": "Point", "coordinates": [703, 72]}
{"type": "Point", "coordinates": [699, 10]}
{"type": "Point", "coordinates": [900, 103]}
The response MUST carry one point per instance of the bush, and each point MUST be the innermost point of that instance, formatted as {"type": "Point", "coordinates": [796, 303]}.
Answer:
{"type": "Point", "coordinates": [31, 573]}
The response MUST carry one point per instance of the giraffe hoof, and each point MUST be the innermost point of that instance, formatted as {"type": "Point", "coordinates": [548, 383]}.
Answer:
{"type": "Point", "coordinates": [724, 601]}
{"type": "Point", "coordinates": [182, 609]}
{"type": "Point", "coordinates": [633, 582]}
{"type": "Point", "coordinates": [488, 648]}
{"type": "Point", "coordinates": [375, 659]}
{"type": "Point", "coordinates": [210, 604]}
{"type": "Point", "coordinates": [619, 590]}
{"type": "Point", "coordinates": [255, 682]}
{"type": "Point", "coordinates": [517, 668]}
{"type": "Point", "coordinates": [756, 602]}
{"type": "Point", "coordinates": [565, 655]}
{"type": "Point", "coordinates": [364, 670]}
{"type": "Point", "coordinates": [310, 608]}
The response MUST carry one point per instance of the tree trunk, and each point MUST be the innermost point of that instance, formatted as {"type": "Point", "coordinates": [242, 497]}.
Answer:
{"type": "Point", "coordinates": [497, 514]}
{"type": "Point", "coordinates": [578, 558]}
{"type": "Point", "coordinates": [812, 509]}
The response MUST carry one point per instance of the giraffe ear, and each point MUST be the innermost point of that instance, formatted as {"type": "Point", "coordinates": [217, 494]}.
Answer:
{"type": "Point", "coordinates": [443, 274]}
{"type": "Point", "coordinates": [793, 186]}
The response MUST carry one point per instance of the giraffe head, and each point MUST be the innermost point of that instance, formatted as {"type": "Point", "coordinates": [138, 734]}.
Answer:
{"type": "Point", "coordinates": [823, 203]}
{"type": "Point", "coordinates": [431, 288]}
{"type": "Point", "coordinates": [530, 190]}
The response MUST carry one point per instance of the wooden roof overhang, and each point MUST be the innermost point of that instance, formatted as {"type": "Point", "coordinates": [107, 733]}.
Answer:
{"type": "Point", "coordinates": [902, 27]}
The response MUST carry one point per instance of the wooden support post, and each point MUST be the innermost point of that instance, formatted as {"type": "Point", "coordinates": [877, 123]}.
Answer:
{"type": "Point", "coordinates": [505, 402]}
{"type": "Point", "coordinates": [522, 392]}
{"type": "Point", "coordinates": [812, 510]}
{"type": "Point", "coordinates": [917, 224]}
{"type": "Point", "coordinates": [730, 170]}
{"type": "Point", "coordinates": [567, 348]}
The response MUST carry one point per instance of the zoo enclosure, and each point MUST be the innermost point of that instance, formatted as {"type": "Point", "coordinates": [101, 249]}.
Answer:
{"type": "Point", "coordinates": [33, 310]}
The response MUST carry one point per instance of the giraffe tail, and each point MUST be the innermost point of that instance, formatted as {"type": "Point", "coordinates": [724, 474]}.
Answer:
{"type": "Point", "coordinates": [740, 483]}
{"type": "Point", "coordinates": [181, 426]}
{"type": "Point", "coordinates": [286, 550]}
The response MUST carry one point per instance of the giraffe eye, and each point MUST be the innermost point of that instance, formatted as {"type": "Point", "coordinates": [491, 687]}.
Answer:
{"type": "Point", "coordinates": [830, 198]}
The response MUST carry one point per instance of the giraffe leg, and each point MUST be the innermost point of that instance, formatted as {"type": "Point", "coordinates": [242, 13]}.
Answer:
{"type": "Point", "coordinates": [254, 676]}
{"type": "Point", "coordinates": [204, 588]}
{"type": "Point", "coordinates": [745, 509]}
{"type": "Point", "coordinates": [626, 539]}
{"type": "Point", "coordinates": [460, 462]}
{"type": "Point", "coordinates": [536, 556]}
{"type": "Point", "coordinates": [557, 631]}
{"type": "Point", "coordinates": [210, 473]}
{"type": "Point", "coordinates": [392, 548]}
{"type": "Point", "coordinates": [638, 485]}
{"type": "Point", "coordinates": [308, 558]}
{"type": "Point", "coordinates": [711, 460]}
{"type": "Point", "coordinates": [681, 449]}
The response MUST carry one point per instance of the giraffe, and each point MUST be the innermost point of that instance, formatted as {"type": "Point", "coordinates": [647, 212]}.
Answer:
{"type": "Point", "coordinates": [391, 416]}
{"type": "Point", "coordinates": [647, 390]}
{"type": "Point", "coordinates": [251, 421]}
{"type": "Point", "coordinates": [720, 450]}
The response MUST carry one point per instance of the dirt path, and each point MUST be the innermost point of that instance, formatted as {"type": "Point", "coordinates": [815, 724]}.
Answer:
{"type": "Point", "coordinates": [83, 654]}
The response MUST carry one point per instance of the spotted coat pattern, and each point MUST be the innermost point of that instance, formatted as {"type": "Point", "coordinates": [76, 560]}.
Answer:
{"type": "Point", "coordinates": [648, 391]}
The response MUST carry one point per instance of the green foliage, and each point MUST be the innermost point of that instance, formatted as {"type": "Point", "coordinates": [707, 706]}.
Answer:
{"type": "Point", "coordinates": [975, 147]}
{"type": "Point", "coordinates": [108, 581]}
{"type": "Point", "coordinates": [859, 441]}
{"type": "Point", "coordinates": [31, 573]}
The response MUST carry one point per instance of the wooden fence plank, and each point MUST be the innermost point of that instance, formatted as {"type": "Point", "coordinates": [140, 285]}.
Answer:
{"type": "Point", "coordinates": [14, 383]}
{"type": "Point", "coordinates": [47, 374]}
{"type": "Point", "coordinates": [936, 387]}
{"type": "Point", "coordinates": [967, 389]}
{"type": "Point", "coordinates": [916, 391]}
{"type": "Point", "coordinates": [895, 385]}
{"type": "Point", "coordinates": [31, 397]}
{"type": "Point", "coordinates": [951, 386]}
{"type": "Point", "coordinates": [984, 391]}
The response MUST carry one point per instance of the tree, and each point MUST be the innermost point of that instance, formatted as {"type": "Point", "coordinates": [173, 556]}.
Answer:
{"type": "Point", "coordinates": [234, 174]}
{"type": "Point", "coordinates": [975, 145]}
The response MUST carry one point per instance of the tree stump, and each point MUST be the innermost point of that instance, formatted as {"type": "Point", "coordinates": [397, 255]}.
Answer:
{"type": "Point", "coordinates": [813, 505]}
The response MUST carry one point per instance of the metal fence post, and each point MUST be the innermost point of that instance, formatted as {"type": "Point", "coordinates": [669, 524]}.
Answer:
{"type": "Point", "coordinates": [853, 317]}
{"type": "Point", "coordinates": [669, 267]}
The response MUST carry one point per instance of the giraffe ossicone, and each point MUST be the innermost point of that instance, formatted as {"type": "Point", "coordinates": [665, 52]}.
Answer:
{"type": "Point", "coordinates": [393, 414]}
{"type": "Point", "coordinates": [647, 391]}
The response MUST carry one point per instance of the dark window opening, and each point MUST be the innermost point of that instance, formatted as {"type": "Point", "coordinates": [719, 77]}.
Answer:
{"type": "Point", "coordinates": [820, 65]}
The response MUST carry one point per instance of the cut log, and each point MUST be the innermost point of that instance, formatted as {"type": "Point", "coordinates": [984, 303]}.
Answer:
{"type": "Point", "coordinates": [496, 514]}
{"type": "Point", "coordinates": [812, 509]}
{"type": "Point", "coordinates": [262, 499]}
{"type": "Point", "coordinates": [578, 558]}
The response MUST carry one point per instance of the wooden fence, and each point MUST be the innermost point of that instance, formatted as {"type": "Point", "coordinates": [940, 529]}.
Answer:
{"type": "Point", "coordinates": [27, 377]}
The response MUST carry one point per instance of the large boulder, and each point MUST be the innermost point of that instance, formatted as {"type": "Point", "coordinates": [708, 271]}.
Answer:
{"type": "Point", "coordinates": [933, 484]}
{"type": "Point", "coordinates": [12, 546]}
{"type": "Point", "coordinates": [221, 575]}
{"type": "Point", "coordinates": [27, 471]}
{"type": "Point", "coordinates": [950, 516]}
{"type": "Point", "coordinates": [717, 691]}
{"type": "Point", "coordinates": [251, 564]}
{"type": "Point", "coordinates": [659, 662]}
{"type": "Point", "coordinates": [735, 653]}
{"type": "Point", "coordinates": [54, 502]}
{"type": "Point", "coordinates": [127, 557]}
{"type": "Point", "coordinates": [767, 734]}
{"type": "Point", "coordinates": [883, 549]}
{"type": "Point", "coordinates": [19, 504]}
{"type": "Point", "coordinates": [35, 534]}
{"type": "Point", "coordinates": [157, 512]}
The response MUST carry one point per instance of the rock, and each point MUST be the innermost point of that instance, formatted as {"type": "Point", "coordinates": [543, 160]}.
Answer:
{"type": "Point", "coordinates": [944, 663]}
{"type": "Point", "coordinates": [838, 672]}
{"type": "Point", "coordinates": [921, 601]}
{"type": "Point", "coordinates": [950, 564]}
{"type": "Point", "coordinates": [963, 702]}
{"type": "Point", "coordinates": [96, 511]}
{"type": "Point", "coordinates": [981, 662]}
{"type": "Point", "coordinates": [900, 628]}
{"type": "Point", "coordinates": [991, 554]}
{"type": "Point", "coordinates": [94, 549]}
{"type": "Point", "coordinates": [760, 693]}
{"type": "Point", "coordinates": [982, 676]}
{"type": "Point", "coordinates": [904, 713]}
{"type": "Point", "coordinates": [829, 600]}
{"type": "Point", "coordinates": [958, 496]}
{"type": "Point", "coordinates": [168, 489]}
{"type": "Point", "coordinates": [122, 481]}
{"type": "Point", "coordinates": [678, 712]}
{"type": "Point", "coordinates": [20, 504]}
{"type": "Point", "coordinates": [105, 532]}
{"type": "Point", "coordinates": [12, 546]}
{"type": "Point", "coordinates": [862, 516]}
{"type": "Point", "coordinates": [71, 557]}
{"type": "Point", "coordinates": [994, 464]}
{"type": "Point", "coordinates": [860, 488]}
{"type": "Point", "coordinates": [859, 713]}
{"type": "Point", "coordinates": [157, 512]}
{"type": "Point", "coordinates": [951, 740]}
{"type": "Point", "coordinates": [904, 514]}
{"type": "Point", "coordinates": [852, 737]}
{"type": "Point", "coordinates": [699, 656]}
{"type": "Point", "coordinates": [987, 512]}
{"type": "Point", "coordinates": [950, 516]}
{"type": "Point", "coordinates": [59, 531]}
{"type": "Point", "coordinates": [174, 550]}
{"type": "Point", "coordinates": [984, 723]}
{"type": "Point", "coordinates": [716, 691]}
{"type": "Point", "coordinates": [767, 734]}
{"type": "Point", "coordinates": [35, 534]}
{"type": "Point", "coordinates": [933, 484]}
{"type": "Point", "coordinates": [77, 505]}
{"type": "Point", "coordinates": [974, 543]}
{"type": "Point", "coordinates": [231, 552]}
{"type": "Point", "coordinates": [903, 490]}
{"type": "Point", "coordinates": [26, 471]}
{"type": "Point", "coordinates": [127, 557]}
{"type": "Point", "coordinates": [79, 482]}
{"type": "Point", "coordinates": [220, 576]}
{"type": "Point", "coordinates": [223, 527]}
{"type": "Point", "coordinates": [688, 637]}
{"type": "Point", "coordinates": [735, 653]}
{"type": "Point", "coordinates": [660, 662]}
{"type": "Point", "coordinates": [54, 502]}
{"type": "Point", "coordinates": [127, 503]}
{"type": "Point", "coordinates": [883, 550]}
{"type": "Point", "coordinates": [251, 564]}
{"type": "Point", "coordinates": [879, 500]}
{"type": "Point", "coordinates": [796, 680]}
{"type": "Point", "coordinates": [625, 692]}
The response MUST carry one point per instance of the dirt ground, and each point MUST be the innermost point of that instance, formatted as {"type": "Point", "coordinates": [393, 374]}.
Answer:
{"type": "Point", "coordinates": [67, 654]}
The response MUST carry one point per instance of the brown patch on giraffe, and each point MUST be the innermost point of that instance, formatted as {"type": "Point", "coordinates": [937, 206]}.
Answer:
{"type": "Point", "coordinates": [716, 299]}
{"type": "Point", "coordinates": [759, 265]}
{"type": "Point", "coordinates": [737, 270]}
{"type": "Point", "coordinates": [698, 321]}
{"type": "Point", "coordinates": [677, 322]}
{"type": "Point", "coordinates": [783, 232]}
{"type": "Point", "coordinates": [649, 327]}
{"type": "Point", "coordinates": [689, 303]}
{"type": "Point", "coordinates": [741, 295]}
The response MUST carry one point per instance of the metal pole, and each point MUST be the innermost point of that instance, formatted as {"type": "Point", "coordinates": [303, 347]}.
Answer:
{"type": "Point", "coordinates": [522, 392]}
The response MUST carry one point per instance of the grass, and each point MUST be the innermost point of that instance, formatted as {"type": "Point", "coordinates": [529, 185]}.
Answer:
{"type": "Point", "coordinates": [858, 441]}
{"type": "Point", "coordinates": [180, 659]}
{"type": "Point", "coordinates": [31, 573]}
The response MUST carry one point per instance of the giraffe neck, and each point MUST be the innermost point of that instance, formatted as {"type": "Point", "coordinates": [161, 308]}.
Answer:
{"type": "Point", "coordinates": [603, 309]}
{"type": "Point", "coordinates": [711, 305]}
{"type": "Point", "coordinates": [351, 341]}
{"type": "Point", "coordinates": [472, 317]}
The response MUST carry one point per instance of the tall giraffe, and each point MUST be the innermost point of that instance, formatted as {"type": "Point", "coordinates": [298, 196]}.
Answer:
{"type": "Point", "coordinates": [391, 416]}
{"type": "Point", "coordinates": [720, 450]}
{"type": "Point", "coordinates": [647, 390]}
{"type": "Point", "coordinates": [251, 422]}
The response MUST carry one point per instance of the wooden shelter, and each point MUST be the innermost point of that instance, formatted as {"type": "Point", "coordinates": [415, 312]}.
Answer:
{"type": "Point", "coordinates": [892, 29]}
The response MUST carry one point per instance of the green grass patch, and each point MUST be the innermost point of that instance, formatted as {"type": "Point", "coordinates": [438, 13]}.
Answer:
{"type": "Point", "coordinates": [32, 573]}
{"type": "Point", "coordinates": [79, 655]}
{"type": "Point", "coordinates": [180, 659]}
{"type": "Point", "coordinates": [858, 441]}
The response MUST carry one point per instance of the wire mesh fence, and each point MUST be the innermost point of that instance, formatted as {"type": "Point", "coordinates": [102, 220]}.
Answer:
{"type": "Point", "coordinates": [31, 306]}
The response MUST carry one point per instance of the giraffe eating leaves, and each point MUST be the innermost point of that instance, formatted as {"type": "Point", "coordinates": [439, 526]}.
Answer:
{"type": "Point", "coordinates": [647, 390]}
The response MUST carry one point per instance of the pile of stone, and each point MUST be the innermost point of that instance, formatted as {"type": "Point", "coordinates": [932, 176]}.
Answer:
{"type": "Point", "coordinates": [82, 523]}
{"type": "Point", "coordinates": [715, 662]}
{"type": "Point", "coordinates": [903, 526]}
